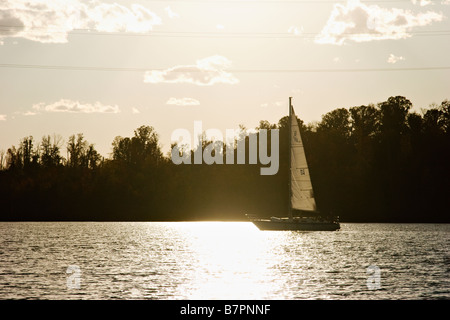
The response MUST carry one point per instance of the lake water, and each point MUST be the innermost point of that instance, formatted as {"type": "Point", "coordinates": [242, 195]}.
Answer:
{"type": "Point", "coordinates": [221, 260]}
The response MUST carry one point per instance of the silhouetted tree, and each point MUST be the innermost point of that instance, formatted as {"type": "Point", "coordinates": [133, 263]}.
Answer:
{"type": "Point", "coordinates": [2, 160]}
{"type": "Point", "coordinates": [368, 163]}
{"type": "Point", "coordinates": [81, 154]}
{"type": "Point", "coordinates": [50, 151]}
{"type": "Point", "coordinates": [140, 149]}
{"type": "Point", "coordinates": [14, 158]}
{"type": "Point", "coordinates": [76, 148]}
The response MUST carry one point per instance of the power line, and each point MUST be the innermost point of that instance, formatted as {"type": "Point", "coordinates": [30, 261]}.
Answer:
{"type": "Point", "coordinates": [115, 69]}
{"type": "Point", "coordinates": [220, 34]}
{"type": "Point", "coordinates": [186, 34]}
{"type": "Point", "coordinates": [281, 1]}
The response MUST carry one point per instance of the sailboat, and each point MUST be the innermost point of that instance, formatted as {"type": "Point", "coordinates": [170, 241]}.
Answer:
{"type": "Point", "coordinates": [301, 195]}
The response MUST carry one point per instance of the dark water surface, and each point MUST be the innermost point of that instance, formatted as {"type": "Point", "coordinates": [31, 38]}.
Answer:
{"type": "Point", "coordinates": [221, 260]}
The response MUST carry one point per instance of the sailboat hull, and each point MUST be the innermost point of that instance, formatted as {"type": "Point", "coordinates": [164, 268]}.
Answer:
{"type": "Point", "coordinates": [296, 226]}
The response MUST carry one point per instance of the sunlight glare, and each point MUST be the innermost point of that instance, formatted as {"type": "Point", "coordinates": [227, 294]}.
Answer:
{"type": "Point", "coordinates": [233, 260]}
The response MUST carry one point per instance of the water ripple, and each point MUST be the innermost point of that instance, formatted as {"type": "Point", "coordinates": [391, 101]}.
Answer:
{"type": "Point", "coordinates": [218, 260]}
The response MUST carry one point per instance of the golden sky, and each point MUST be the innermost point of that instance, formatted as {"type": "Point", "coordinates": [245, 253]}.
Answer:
{"type": "Point", "coordinates": [104, 68]}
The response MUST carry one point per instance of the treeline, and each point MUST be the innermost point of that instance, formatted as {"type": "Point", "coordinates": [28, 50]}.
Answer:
{"type": "Point", "coordinates": [370, 163]}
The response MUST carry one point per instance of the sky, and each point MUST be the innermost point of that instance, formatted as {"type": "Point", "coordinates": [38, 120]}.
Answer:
{"type": "Point", "coordinates": [104, 68]}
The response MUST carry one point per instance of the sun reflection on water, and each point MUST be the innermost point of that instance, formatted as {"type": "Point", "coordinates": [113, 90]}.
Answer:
{"type": "Point", "coordinates": [232, 260]}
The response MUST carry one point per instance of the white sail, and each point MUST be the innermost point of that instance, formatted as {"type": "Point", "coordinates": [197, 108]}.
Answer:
{"type": "Point", "coordinates": [302, 196]}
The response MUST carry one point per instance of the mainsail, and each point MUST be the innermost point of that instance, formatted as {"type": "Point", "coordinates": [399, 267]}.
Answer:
{"type": "Point", "coordinates": [302, 196]}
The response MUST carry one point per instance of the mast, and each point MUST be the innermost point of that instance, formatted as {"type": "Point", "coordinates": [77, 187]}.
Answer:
{"type": "Point", "coordinates": [290, 166]}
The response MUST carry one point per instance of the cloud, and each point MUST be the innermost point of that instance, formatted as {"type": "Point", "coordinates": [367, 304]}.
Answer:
{"type": "Point", "coordinates": [65, 105]}
{"type": "Point", "coordinates": [205, 72]}
{"type": "Point", "coordinates": [2, 117]}
{"type": "Point", "coordinates": [393, 59]}
{"type": "Point", "coordinates": [358, 22]}
{"type": "Point", "coordinates": [135, 110]}
{"type": "Point", "coordinates": [295, 30]}
{"type": "Point", "coordinates": [50, 21]}
{"type": "Point", "coordinates": [422, 3]}
{"type": "Point", "coordinates": [171, 14]}
{"type": "Point", "coordinates": [29, 113]}
{"type": "Point", "coordinates": [272, 104]}
{"type": "Point", "coordinates": [183, 102]}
